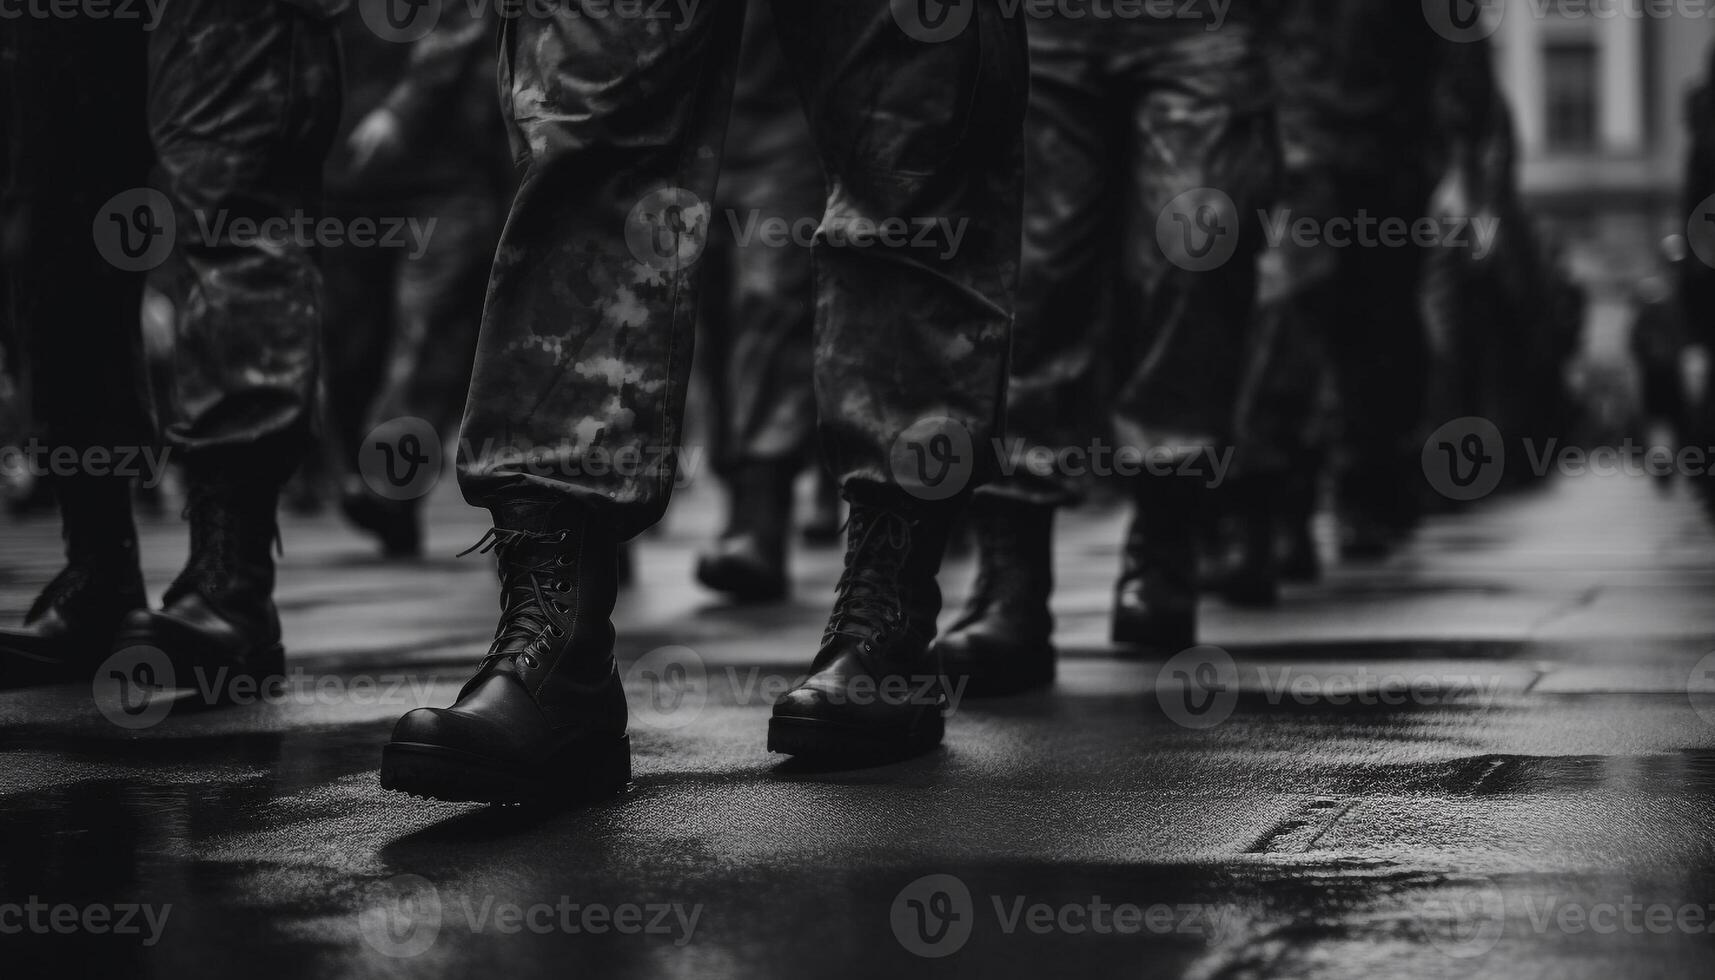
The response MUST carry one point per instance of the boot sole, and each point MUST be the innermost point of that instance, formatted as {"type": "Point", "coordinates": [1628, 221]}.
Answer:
{"type": "Point", "coordinates": [813, 738]}
{"type": "Point", "coordinates": [579, 773]}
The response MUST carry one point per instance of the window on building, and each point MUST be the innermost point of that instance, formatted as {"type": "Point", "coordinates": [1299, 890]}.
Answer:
{"type": "Point", "coordinates": [1569, 69]}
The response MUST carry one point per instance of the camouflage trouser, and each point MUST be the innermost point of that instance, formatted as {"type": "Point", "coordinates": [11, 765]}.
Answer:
{"type": "Point", "coordinates": [402, 324]}
{"type": "Point", "coordinates": [237, 100]}
{"type": "Point", "coordinates": [1357, 310]}
{"type": "Point", "coordinates": [1121, 124]}
{"type": "Point", "coordinates": [758, 304]}
{"type": "Point", "coordinates": [581, 366]}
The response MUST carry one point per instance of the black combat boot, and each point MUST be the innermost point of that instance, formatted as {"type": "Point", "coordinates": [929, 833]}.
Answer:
{"type": "Point", "coordinates": [874, 692]}
{"type": "Point", "coordinates": [1002, 643]}
{"type": "Point", "coordinates": [749, 561]}
{"type": "Point", "coordinates": [543, 721]}
{"type": "Point", "coordinates": [1155, 603]}
{"type": "Point", "coordinates": [69, 630]}
{"type": "Point", "coordinates": [1245, 570]}
{"type": "Point", "coordinates": [217, 623]}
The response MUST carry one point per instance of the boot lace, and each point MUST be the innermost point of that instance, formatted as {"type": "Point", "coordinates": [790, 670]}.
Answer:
{"type": "Point", "coordinates": [532, 580]}
{"type": "Point", "coordinates": [216, 559]}
{"type": "Point", "coordinates": [868, 599]}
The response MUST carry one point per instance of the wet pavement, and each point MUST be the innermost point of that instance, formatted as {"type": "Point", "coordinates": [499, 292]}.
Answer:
{"type": "Point", "coordinates": [1492, 756]}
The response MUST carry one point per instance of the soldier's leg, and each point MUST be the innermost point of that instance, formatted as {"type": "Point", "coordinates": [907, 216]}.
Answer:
{"type": "Point", "coordinates": [920, 137]}
{"type": "Point", "coordinates": [579, 382]}
{"type": "Point", "coordinates": [243, 100]}
{"type": "Point", "coordinates": [1074, 159]}
{"type": "Point", "coordinates": [82, 142]}
{"type": "Point", "coordinates": [1203, 162]}
{"type": "Point", "coordinates": [437, 304]}
{"type": "Point", "coordinates": [359, 311]}
{"type": "Point", "coordinates": [770, 175]}
{"type": "Point", "coordinates": [585, 347]}
{"type": "Point", "coordinates": [1380, 357]}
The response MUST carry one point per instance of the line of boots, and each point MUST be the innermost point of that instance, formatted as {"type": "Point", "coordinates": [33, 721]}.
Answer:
{"type": "Point", "coordinates": [216, 627]}
{"type": "Point", "coordinates": [544, 718]}
{"type": "Point", "coordinates": [1002, 643]}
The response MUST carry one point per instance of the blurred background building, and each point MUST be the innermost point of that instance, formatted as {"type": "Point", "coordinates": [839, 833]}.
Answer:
{"type": "Point", "coordinates": [1598, 89]}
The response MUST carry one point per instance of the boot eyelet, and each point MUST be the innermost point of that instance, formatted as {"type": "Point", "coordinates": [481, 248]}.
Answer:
{"type": "Point", "coordinates": [562, 610]}
{"type": "Point", "coordinates": [555, 631]}
{"type": "Point", "coordinates": [563, 536]}
{"type": "Point", "coordinates": [562, 560]}
{"type": "Point", "coordinates": [529, 661]}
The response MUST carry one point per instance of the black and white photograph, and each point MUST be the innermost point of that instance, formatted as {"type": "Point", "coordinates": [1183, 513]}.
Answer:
{"type": "Point", "coordinates": [767, 489]}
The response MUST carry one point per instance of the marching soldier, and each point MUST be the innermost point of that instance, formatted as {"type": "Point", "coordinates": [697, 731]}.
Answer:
{"type": "Point", "coordinates": [234, 102]}
{"type": "Point", "coordinates": [1103, 202]}
{"type": "Point", "coordinates": [574, 414]}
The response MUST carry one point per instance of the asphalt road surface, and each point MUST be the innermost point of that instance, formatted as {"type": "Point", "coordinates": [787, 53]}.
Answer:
{"type": "Point", "coordinates": [1491, 756]}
